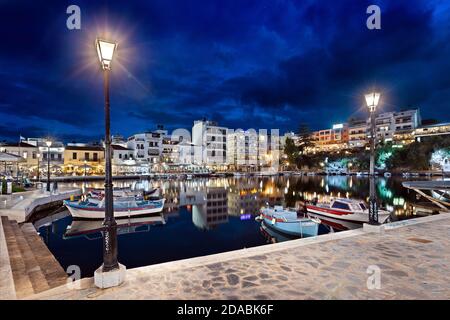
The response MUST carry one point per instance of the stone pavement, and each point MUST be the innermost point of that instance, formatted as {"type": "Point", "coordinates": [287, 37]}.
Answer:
{"type": "Point", "coordinates": [412, 256]}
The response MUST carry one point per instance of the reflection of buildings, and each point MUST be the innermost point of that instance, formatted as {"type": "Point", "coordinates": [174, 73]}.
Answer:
{"type": "Point", "coordinates": [243, 200]}
{"type": "Point", "coordinates": [213, 211]}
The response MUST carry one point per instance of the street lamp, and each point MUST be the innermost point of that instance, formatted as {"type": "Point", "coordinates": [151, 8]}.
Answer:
{"type": "Point", "coordinates": [85, 164]}
{"type": "Point", "coordinates": [49, 144]}
{"type": "Point", "coordinates": [372, 100]}
{"type": "Point", "coordinates": [38, 156]}
{"type": "Point", "coordinates": [110, 273]}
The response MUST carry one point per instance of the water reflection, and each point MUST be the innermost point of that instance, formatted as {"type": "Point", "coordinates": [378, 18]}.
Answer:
{"type": "Point", "coordinates": [212, 200]}
{"type": "Point", "coordinates": [207, 216]}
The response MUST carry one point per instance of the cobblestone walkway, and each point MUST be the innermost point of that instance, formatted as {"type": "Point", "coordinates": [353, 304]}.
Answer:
{"type": "Point", "coordinates": [414, 261]}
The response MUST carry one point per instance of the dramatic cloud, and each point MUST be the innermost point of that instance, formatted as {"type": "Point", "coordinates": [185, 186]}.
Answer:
{"type": "Point", "coordinates": [244, 63]}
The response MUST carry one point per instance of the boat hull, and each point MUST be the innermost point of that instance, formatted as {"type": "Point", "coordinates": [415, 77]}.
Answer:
{"type": "Point", "coordinates": [358, 217]}
{"type": "Point", "coordinates": [80, 212]}
{"type": "Point", "coordinates": [299, 228]}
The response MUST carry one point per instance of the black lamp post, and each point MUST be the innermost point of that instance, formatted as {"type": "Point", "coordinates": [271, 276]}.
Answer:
{"type": "Point", "coordinates": [372, 100]}
{"type": "Point", "coordinates": [105, 50]}
{"type": "Point", "coordinates": [49, 144]}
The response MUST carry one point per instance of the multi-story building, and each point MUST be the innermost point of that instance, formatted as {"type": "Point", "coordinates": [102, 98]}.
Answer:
{"type": "Point", "coordinates": [389, 123]}
{"type": "Point", "coordinates": [424, 132]}
{"type": "Point", "coordinates": [242, 149]}
{"type": "Point", "coordinates": [357, 133]}
{"type": "Point", "coordinates": [56, 150]}
{"type": "Point", "coordinates": [334, 139]}
{"type": "Point", "coordinates": [84, 159]}
{"type": "Point", "coordinates": [170, 152]}
{"type": "Point", "coordinates": [212, 142]}
{"type": "Point", "coordinates": [269, 151]}
{"type": "Point", "coordinates": [28, 152]}
{"type": "Point", "coordinates": [147, 147]}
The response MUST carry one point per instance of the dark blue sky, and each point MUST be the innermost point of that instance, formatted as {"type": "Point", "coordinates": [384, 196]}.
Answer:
{"type": "Point", "coordinates": [244, 63]}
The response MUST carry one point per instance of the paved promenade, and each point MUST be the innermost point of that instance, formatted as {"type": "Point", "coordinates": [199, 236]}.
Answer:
{"type": "Point", "coordinates": [412, 257]}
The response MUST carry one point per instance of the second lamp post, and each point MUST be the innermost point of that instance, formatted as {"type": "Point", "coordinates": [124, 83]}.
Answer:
{"type": "Point", "coordinates": [372, 100]}
{"type": "Point", "coordinates": [105, 50]}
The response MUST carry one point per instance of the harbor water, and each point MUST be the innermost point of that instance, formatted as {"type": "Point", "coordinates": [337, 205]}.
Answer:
{"type": "Point", "coordinates": [211, 215]}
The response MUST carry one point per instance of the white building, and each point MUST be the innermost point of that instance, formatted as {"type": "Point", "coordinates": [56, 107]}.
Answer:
{"type": "Point", "coordinates": [211, 140]}
{"type": "Point", "coordinates": [357, 133]}
{"type": "Point", "coordinates": [56, 150]}
{"type": "Point", "coordinates": [388, 123]}
{"type": "Point", "coordinates": [147, 147]}
{"type": "Point", "coordinates": [242, 148]}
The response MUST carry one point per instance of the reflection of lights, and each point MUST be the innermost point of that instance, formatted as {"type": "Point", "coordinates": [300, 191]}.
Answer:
{"type": "Point", "coordinates": [246, 217]}
{"type": "Point", "coordinates": [399, 201]}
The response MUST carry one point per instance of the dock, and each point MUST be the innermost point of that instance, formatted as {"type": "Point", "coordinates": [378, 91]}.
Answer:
{"type": "Point", "coordinates": [409, 258]}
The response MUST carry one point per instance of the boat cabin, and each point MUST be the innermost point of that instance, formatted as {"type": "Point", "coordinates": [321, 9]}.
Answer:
{"type": "Point", "coordinates": [348, 205]}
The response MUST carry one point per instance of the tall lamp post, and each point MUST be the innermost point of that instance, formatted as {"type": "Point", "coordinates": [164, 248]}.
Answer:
{"type": "Point", "coordinates": [372, 100]}
{"type": "Point", "coordinates": [111, 273]}
{"type": "Point", "coordinates": [49, 144]}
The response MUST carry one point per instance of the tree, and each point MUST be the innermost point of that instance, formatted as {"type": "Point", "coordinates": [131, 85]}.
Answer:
{"type": "Point", "coordinates": [305, 138]}
{"type": "Point", "coordinates": [291, 151]}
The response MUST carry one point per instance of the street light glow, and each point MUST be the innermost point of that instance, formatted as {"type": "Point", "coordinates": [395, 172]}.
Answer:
{"type": "Point", "coordinates": [48, 143]}
{"type": "Point", "coordinates": [372, 100]}
{"type": "Point", "coordinates": [105, 51]}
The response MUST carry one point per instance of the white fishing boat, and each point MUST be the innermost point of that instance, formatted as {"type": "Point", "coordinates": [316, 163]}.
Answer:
{"type": "Point", "coordinates": [287, 221]}
{"type": "Point", "coordinates": [122, 209]}
{"type": "Point", "coordinates": [345, 209]}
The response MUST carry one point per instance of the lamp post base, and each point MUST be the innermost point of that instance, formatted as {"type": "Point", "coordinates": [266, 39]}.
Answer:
{"type": "Point", "coordinates": [109, 279]}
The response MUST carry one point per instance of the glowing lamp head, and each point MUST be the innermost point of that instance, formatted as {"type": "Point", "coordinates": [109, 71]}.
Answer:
{"type": "Point", "coordinates": [372, 100]}
{"type": "Point", "coordinates": [105, 51]}
{"type": "Point", "coordinates": [48, 143]}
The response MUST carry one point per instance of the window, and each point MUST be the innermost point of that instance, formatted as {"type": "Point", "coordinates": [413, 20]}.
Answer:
{"type": "Point", "coordinates": [95, 156]}
{"type": "Point", "coordinates": [74, 156]}
{"type": "Point", "coordinates": [120, 156]}
{"type": "Point", "coordinates": [340, 205]}
{"type": "Point", "coordinates": [86, 156]}
{"type": "Point", "coordinates": [52, 156]}
{"type": "Point", "coordinates": [34, 155]}
{"type": "Point", "coordinates": [59, 156]}
{"type": "Point", "coordinates": [25, 154]}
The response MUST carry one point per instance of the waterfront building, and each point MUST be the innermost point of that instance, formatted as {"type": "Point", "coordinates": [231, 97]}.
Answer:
{"type": "Point", "coordinates": [210, 140]}
{"type": "Point", "coordinates": [122, 160]}
{"type": "Point", "coordinates": [56, 150]}
{"type": "Point", "coordinates": [242, 149]}
{"type": "Point", "coordinates": [357, 133]}
{"type": "Point", "coordinates": [389, 123]}
{"type": "Point", "coordinates": [170, 152]}
{"type": "Point", "coordinates": [269, 148]}
{"type": "Point", "coordinates": [80, 159]}
{"type": "Point", "coordinates": [27, 151]}
{"type": "Point", "coordinates": [334, 139]}
{"type": "Point", "coordinates": [424, 132]}
{"type": "Point", "coordinates": [147, 147]}
{"type": "Point", "coordinates": [186, 152]}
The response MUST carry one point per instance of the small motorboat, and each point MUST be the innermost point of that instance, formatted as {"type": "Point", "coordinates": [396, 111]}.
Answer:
{"type": "Point", "coordinates": [287, 221]}
{"type": "Point", "coordinates": [345, 209]}
{"type": "Point", "coordinates": [122, 209]}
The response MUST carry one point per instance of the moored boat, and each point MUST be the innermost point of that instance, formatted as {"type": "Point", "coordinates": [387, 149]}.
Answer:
{"type": "Point", "coordinates": [122, 209]}
{"type": "Point", "coordinates": [288, 222]}
{"type": "Point", "coordinates": [346, 209]}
